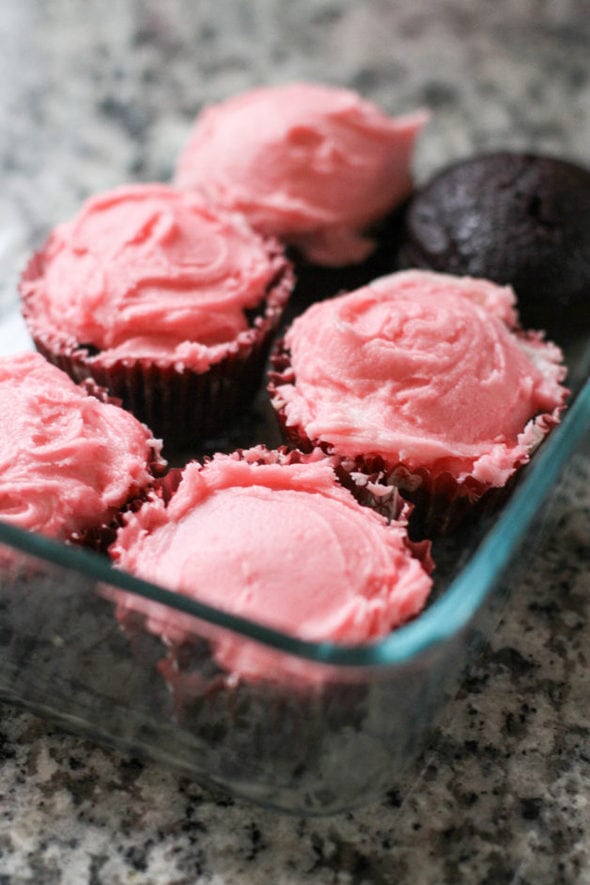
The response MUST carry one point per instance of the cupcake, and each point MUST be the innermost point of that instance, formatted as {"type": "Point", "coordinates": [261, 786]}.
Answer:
{"type": "Point", "coordinates": [166, 302]}
{"type": "Point", "coordinates": [514, 218]}
{"type": "Point", "coordinates": [316, 166]}
{"type": "Point", "coordinates": [273, 537]}
{"type": "Point", "coordinates": [422, 381]}
{"type": "Point", "coordinates": [70, 463]}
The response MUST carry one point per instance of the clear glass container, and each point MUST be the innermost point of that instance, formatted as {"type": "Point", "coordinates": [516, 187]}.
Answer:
{"type": "Point", "coordinates": [333, 726]}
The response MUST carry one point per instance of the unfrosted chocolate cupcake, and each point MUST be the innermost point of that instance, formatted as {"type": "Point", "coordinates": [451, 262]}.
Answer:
{"type": "Point", "coordinates": [514, 218]}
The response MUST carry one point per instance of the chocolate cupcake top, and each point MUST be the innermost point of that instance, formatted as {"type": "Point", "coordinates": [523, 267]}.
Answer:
{"type": "Point", "coordinates": [149, 272]}
{"type": "Point", "coordinates": [69, 461]}
{"type": "Point", "coordinates": [514, 218]}
{"type": "Point", "coordinates": [273, 537]}
{"type": "Point", "coordinates": [425, 370]}
{"type": "Point", "coordinates": [310, 164]}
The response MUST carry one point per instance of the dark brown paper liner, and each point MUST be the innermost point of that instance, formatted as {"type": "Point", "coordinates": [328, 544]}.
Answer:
{"type": "Point", "coordinates": [180, 406]}
{"type": "Point", "coordinates": [440, 503]}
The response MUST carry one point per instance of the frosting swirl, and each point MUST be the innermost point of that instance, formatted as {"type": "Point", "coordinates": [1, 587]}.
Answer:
{"type": "Point", "coordinates": [312, 165]}
{"type": "Point", "coordinates": [423, 369]}
{"type": "Point", "coordinates": [282, 544]}
{"type": "Point", "coordinates": [68, 462]}
{"type": "Point", "coordinates": [149, 271]}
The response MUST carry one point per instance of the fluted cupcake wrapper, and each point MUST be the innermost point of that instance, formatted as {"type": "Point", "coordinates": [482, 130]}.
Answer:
{"type": "Point", "coordinates": [181, 407]}
{"type": "Point", "coordinates": [440, 503]}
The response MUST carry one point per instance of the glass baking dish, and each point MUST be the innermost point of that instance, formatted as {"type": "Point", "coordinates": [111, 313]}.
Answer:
{"type": "Point", "coordinates": [332, 727]}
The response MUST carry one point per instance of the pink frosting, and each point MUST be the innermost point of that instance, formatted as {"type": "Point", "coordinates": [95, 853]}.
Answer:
{"type": "Point", "coordinates": [149, 271]}
{"type": "Point", "coordinates": [284, 545]}
{"type": "Point", "coordinates": [425, 370]}
{"type": "Point", "coordinates": [68, 462]}
{"type": "Point", "coordinates": [310, 164]}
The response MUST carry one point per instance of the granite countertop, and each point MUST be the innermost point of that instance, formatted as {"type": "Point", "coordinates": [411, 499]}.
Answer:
{"type": "Point", "coordinates": [92, 96]}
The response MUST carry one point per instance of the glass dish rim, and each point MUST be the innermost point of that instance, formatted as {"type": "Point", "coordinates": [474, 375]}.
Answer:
{"type": "Point", "coordinates": [442, 620]}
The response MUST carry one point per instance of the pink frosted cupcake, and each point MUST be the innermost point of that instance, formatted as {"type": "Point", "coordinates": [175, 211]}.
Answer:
{"type": "Point", "coordinates": [316, 166]}
{"type": "Point", "coordinates": [70, 463]}
{"type": "Point", "coordinates": [164, 301]}
{"type": "Point", "coordinates": [273, 537]}
{"type": "Point", "coordinates": [421, 381]}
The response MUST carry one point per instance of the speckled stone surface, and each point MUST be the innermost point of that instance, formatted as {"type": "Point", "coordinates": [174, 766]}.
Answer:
{"type": "Point", "coordinates": [95, 94]}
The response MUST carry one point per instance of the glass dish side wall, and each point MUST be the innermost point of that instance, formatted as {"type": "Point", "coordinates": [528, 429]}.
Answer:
{"type": "Point", "coordinates": [323, 742]}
